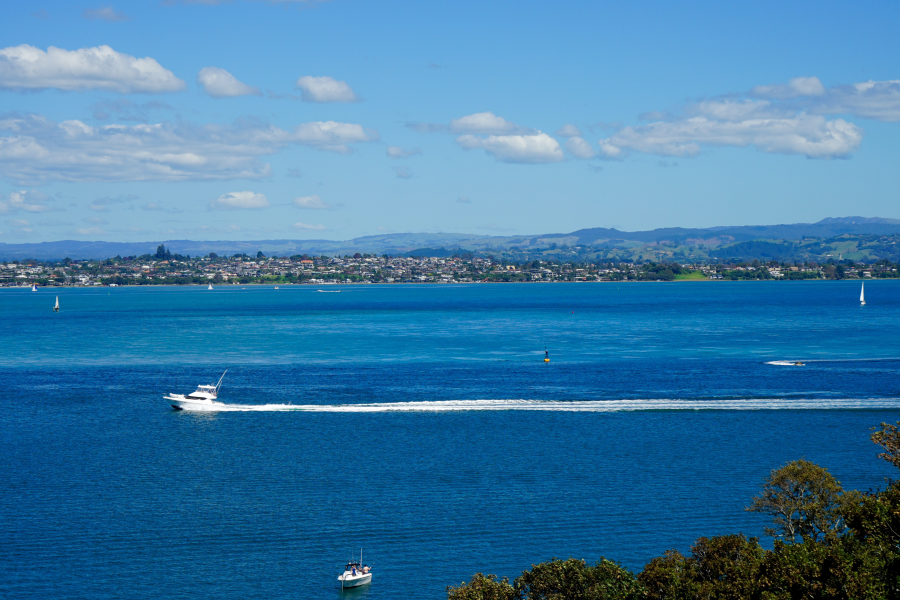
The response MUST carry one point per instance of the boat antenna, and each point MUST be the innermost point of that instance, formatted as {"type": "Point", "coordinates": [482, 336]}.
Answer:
{"type": "Point", "coordinates": [218, 385]}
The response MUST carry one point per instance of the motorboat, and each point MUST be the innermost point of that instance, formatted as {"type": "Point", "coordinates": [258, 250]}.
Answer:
{"type": "Point", "coordinates": [355, 574]}
{"type": "Point", "coordinates": [204, 398]}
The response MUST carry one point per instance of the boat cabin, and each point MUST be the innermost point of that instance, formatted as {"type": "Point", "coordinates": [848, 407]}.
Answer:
{"type": "Point", "coordinates": [204, 391]}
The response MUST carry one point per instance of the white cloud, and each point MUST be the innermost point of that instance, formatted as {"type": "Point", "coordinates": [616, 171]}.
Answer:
{"type": "Point", "coordinates": [151, 206]}
{"type": "Point", "coordinates": [569, 130]}
{"type": "Point", "coordinates": [811, 136]}
{"type": "Point", "coordinates": [537, 148]}
{"type": "Point", "coordinates": [795, 88]}
{"type": "Point", "coordinates": [219, 83]}
{"type": "Point", "coordinates": [879, 100]}
{"type": "Point", "coordinates": [308, 227]}
{"type": "Point", "coordinates": [105, 13]}
{"type": "Point", "coordinates": [19, 223]}
{"type": "Point", "coordinates": [90, 231]}
{"type": "Point", "coordinates": [25, 201]}
{"type": "Point", "coordinates": [485, 123]}
{"type": "Point", "coordinates": [37, 149]}
{"type": "Point", "coordinates": [240, 201]}
{"type": "Point", "coordinates": [325, 89]}
{"type": "Point", "coordinates": [311, 203]}
{"type": "Point", "coordinates": [397, 152]}
{"type": "Point", "coordinates": [579, 148]}
{"type": "Point", "coordinates": [102, 68]}
{"type": "Point", "coordinates": [403, 172]}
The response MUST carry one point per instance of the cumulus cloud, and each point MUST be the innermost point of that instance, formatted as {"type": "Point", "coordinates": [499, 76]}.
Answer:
{"type": "Point", "coordinates": [485, 123]}
{"type": "Point", "coordinates": [101, 68]}
{"type": "Point", "coordinates": [569, 130]}
{"type": "Point", "coordinates": [397, 152]}
{"type": "Point", "coordinates": [240, 201]}
{"type": "Point", "coordinates": [308, 227]}
{"type": "Point", "coordinates": [796, 87]}
{"type": "Point", "coordinates": [25, 201]}
{"type": "Point", "coordinates": [311, 203]}
{"type": "Point", "coordinates": [807, 135]}
{"type": "Point", "coordinates": [325, 89]}
{"type": "Point", "coordinates": [879, 100]}
{"type": "Point", "coordinates": [219, 83]}
{"type": "Point", "coordinates": [104, 13]}
{"type": "Point", "coordinates": [37, 149]}
{"type": "Point", "coordinates": [531, 149]}
{"type": "Point", "coordinates": [579, 148]}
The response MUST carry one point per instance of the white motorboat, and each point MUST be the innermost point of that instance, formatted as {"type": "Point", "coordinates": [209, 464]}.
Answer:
{"type": "Point", "coordinates": [204, 398]}
{"type": "Point", "coordinates": [355, 574]}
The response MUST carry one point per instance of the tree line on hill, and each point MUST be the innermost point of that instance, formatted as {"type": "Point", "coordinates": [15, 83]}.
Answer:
{"type": "Point", "coordinates": [829, 544]}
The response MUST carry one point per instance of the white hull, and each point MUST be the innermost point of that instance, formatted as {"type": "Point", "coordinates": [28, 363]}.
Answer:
{"type": "Point", "coordinates": [183, 403]}
{"type": "Point", "coordinates": [347, 580]}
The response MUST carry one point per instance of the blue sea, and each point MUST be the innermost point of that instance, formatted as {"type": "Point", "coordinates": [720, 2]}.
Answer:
{"type": "Point", "coordinates": [418, 423]}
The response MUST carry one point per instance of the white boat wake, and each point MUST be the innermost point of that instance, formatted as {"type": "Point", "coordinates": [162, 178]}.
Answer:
{"type": "Point", "coordinates": [568, 406]}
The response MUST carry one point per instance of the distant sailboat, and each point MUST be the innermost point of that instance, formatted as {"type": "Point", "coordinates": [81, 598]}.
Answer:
{"type": "Point", "coordinates": [56, 306]}
{"type": "Point", "coordinates": [210, 287]}
{"type": "Point", "coordinates": [33, 288]}
{"type": "Point", "coordinates": [862, 294]}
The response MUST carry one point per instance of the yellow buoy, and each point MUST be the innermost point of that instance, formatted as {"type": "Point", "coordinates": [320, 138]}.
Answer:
{"type": "Point", "coordinates": [546, 355]}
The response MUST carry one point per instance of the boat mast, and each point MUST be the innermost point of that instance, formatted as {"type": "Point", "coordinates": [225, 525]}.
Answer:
{"type": "Point", "coordinates": [218, 385]}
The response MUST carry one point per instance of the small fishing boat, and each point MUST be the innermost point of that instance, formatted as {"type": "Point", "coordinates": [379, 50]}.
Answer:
{"type": "Point", "coordinates": [862, 294]}
{"type": "Point", "coordinates": [56, 306]}
{"type": "Point", "coordinates": [355, 574]}
{"type": "Point", "coordinates": [204, 398]}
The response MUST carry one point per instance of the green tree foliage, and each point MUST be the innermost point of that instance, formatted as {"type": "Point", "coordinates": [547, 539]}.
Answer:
{"type": "Point", "coordinates": [574, 579]}
{"type": "Point", "coordinates": [482, 587]}
{"type": "Point", "coordinates": [888, 437]}
{"type": "Point", "coordinates": [719, 567]}
{"type": "Point", "coordinates": [803, 500]}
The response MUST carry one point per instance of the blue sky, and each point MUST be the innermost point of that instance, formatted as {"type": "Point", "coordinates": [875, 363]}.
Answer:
{"type": "Point", "coordinates": [253, 119]}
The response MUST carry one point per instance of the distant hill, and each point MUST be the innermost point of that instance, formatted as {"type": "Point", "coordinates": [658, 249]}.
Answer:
{"type": "Point", "coordinates": [676, 243]}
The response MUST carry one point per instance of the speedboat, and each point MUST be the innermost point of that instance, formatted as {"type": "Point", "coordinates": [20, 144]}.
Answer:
{"type": "Point", "coordinates": [204, 398]}
{"type": "Point", "coordinates": [355, 574]}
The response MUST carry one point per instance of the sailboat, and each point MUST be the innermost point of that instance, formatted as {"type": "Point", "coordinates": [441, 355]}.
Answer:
{"type": "Point", "coordinates": [33, 288]}
{"type": "Point", "coordinates": [210, 287]}
{"type": "Point", "coordinates": [56, 306]}
{"type": "Point", "coordinates": [862, 294]}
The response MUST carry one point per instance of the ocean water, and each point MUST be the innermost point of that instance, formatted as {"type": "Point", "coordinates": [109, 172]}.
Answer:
{"type": "Point", "coordinates": [418, 423]}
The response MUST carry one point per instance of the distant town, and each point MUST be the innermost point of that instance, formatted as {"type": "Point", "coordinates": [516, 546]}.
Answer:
{"type": "Point", "coordinates": [166, 268]}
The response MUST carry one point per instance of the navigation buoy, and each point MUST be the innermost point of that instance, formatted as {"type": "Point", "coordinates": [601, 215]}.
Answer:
{"type": "Point", "coordinates": [546, 355]}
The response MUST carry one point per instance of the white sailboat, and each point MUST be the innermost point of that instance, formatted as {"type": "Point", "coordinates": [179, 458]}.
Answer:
{"type": "Point", "coordinates": [210, 287]}
{"type": "Point", "coordinates": [862, 294]}
{"type": "Point", "coordinates": [33, 288]}
{"type": "Point", "coordinates": [56, 306]}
